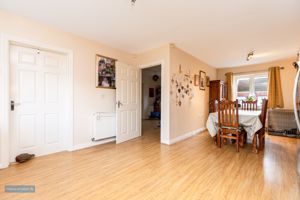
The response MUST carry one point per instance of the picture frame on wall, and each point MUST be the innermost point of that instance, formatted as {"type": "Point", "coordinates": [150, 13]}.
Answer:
{"type": "Point", "coordinates": [105, 72]}
{"type": "Point", "coordinates": [207, 81]}
{"type": "Point", "coordinates": [202, 80]}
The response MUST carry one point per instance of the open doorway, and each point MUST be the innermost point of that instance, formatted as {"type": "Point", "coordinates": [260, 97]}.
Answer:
{"type": "Point", "coordinates": [151, 101]}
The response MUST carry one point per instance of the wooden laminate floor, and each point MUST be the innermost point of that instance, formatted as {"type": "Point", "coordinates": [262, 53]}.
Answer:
{"type": "Point", "coordinates": [145, 169]}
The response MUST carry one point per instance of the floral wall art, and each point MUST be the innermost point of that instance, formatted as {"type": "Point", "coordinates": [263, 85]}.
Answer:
{"type": "Point", "coordinates": [181, 87]}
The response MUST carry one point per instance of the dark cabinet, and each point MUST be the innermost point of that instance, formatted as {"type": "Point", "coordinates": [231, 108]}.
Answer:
{"type": "Point", "coordinates": [217, 91]}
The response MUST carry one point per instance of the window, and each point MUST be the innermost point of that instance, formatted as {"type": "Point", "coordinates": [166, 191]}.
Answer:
{"type": "Point", "coordinates": [251, 85]}
{"type": "Point", "coordinates": [243, 88]}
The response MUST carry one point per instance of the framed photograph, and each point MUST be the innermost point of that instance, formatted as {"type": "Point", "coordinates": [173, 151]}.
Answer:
{"type": "Point", "coordinates": [151, 92]}
{"type": "Point", "coordinates": [196, 80]}
{"type": "Point", "coordinates": [207, 81]}
{"type": "Point", "coordinates": [202, 80]}
{"type": "Point", "coordinates": [105, 72]}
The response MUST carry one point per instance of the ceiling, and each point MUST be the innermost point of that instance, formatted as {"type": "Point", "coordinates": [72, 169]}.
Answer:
{"type": "Point", "coordinates": [220, 33]}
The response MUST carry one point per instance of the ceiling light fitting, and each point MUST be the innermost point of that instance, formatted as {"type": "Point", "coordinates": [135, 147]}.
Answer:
{"type": "Point", "coordinates": [250, 55]}
{"type": "Point", "coordinates": [133, 2]}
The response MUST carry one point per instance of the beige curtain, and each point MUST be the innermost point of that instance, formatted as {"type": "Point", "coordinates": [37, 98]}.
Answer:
{"type": "Point", "coordinates": [229, 80]}
{"type": "Point", "coordinates": [275, 98]}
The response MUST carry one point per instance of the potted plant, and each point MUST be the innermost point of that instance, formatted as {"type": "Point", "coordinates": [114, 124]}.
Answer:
{"type": "Point", "coordinates": [251, 98]}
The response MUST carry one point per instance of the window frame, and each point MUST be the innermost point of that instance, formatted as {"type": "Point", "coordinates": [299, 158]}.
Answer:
{"type": "Point", "coordinates": [251, 77]}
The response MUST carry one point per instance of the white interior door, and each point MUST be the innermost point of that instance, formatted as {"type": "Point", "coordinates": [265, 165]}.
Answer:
{"type": "Point", "coordinates": [36, 88]}
{"type": "Point", "coordinates": [128, 102]}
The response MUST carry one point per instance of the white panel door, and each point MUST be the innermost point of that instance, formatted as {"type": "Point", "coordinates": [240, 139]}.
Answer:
{"type": "Point", "coordinates": [37, 91]}
{"type": "Point", "coordinates": [128, 102]}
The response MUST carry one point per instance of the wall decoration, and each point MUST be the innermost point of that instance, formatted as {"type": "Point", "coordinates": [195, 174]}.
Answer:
{"type": "Point", "coordinates": [151, 92]}
{"type": "Point", "coordinates": [207, 81]}
{"type": "Point", "coordinates": [202, 78]}
{"type": "Point", "coordinates": [196, 80]}
{"type": "Point", "coordinates": [105, 72]}
{"type": "Point", "coordinates": [155, 77]}
{"type": "Point", "coordinates": [181, 87]}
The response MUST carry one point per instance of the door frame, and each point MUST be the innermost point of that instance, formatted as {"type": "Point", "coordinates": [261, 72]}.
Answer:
{"type": "Point", "coordinates": [164, 109]}
{"type": "Point", "coordinates": [5, 137]}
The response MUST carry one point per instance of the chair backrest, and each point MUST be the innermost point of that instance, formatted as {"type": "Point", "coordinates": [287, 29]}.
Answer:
{"type": "Point", "coordinates": [228, 113]}
{"type": "Point", "coordinates": [249, 105]}
{"type": "Point", "coordinates": [263, 114]}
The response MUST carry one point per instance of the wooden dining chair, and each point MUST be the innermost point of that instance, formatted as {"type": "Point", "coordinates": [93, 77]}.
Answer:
{"type": "Point", "coordinates": [260, 134]}
{"type": "Point", "coordinates": [249, 105]}
{"type": "Point", "coordinates": [228, 123]}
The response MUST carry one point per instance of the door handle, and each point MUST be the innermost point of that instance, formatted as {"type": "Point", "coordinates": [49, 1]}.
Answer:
{"type": "Point", "coordinates": [13, 104]}
{"type": "Point", "coordinates": [119, 104]}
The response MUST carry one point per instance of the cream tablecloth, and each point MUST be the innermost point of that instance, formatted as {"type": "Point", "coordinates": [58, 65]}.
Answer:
{"type": "Point", "coordinates": [248, 119]}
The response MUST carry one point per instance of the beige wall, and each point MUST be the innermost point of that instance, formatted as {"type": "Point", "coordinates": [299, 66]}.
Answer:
{"type": "Point", "coordinates": [191, 115]}
{"type": "Point", "coordinates": [87, 98]}
{"type": "Point", "coordinates": [288, 75]}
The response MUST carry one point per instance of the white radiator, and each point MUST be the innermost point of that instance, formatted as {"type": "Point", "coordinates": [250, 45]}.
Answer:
{"type": "Point", "coordinates": [104, 126]}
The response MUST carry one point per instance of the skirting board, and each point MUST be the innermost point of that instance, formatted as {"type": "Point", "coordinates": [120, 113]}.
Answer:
{"type": "Point", "coordinates": [3, 166]}
{"type": "Point", "coordinates": [186, 135]}
{"type": "Point", "coordinates": [91, 144]}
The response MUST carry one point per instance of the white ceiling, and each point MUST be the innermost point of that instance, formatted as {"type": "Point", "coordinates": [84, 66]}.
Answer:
{"type": "Point", "coordinates": [220, 33]}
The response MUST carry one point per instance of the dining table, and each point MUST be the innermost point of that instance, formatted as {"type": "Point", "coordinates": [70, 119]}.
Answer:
{"type": "Point", "coordinates": [248, 119]}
